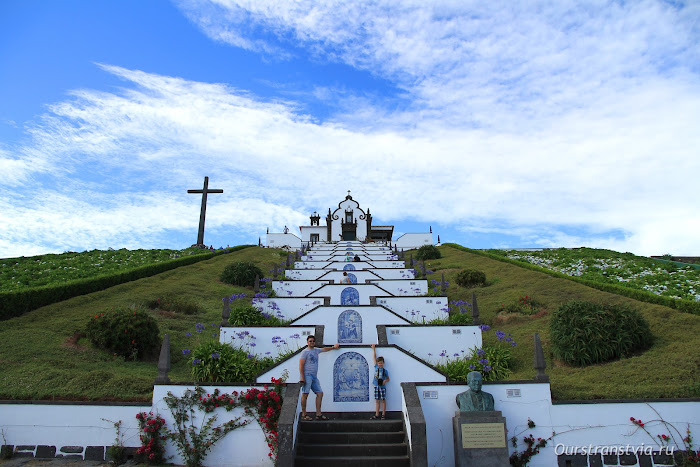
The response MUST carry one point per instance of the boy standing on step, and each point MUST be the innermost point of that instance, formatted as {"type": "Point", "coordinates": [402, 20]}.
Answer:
{"type": "Point", "coordinates": [381, 377]}
{"type": "Point", "coordinates": [308, 368]}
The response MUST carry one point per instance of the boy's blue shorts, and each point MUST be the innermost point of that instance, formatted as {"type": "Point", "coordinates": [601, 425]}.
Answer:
{"type": "Point", "coordinates": [311, 383]}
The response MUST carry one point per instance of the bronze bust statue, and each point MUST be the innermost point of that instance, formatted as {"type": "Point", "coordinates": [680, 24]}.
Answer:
{"type": "Point", "coordinates": [474, 399]}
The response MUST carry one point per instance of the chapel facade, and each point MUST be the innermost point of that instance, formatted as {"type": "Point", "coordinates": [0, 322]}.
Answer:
{"type": "Point", "coordinates": [347, 222]}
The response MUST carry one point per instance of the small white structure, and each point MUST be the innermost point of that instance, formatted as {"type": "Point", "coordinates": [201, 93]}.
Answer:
{"type": "Point", "coordinates": [348, 222]}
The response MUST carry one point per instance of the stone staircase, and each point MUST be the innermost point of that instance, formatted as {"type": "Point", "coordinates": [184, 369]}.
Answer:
{"type": "Point", "coordinates": [352, 439]}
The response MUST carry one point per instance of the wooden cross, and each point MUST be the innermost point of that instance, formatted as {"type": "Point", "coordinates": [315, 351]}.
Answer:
{"type": "Point", "coordinates": [202, 213]}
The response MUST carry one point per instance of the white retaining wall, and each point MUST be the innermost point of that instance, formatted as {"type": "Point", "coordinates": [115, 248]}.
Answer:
{"type": "Point", "coordinates": [417, 309]}
{"type": "Point", "coordinates": [428, 342]}
{"type": "Point", "coordinates": [371, 317]}
{"type": "Point", "coordinates": [580, 424]}
{"type": "Point", "coordinates": [411, 241]}
{"type": "Point", "coordinates": [68, 424]}
{"type": "Point", "coordinates": [279, 240]}
{"type": "Point", "coordinates": [244, 446]}
{"type": "Point", "coordinates": [288, 308]}
{"type": "Point", "coordinates": [364, 291]}
{"type": "Point", "coordinates": [395, 273]}
{"type": "Point", "coordinates": [296, 288]}
{"type": "Point", "coordinates": [395, 359]}
{"type": "Point", "coordinates": [294, 338]}
{"type": "Point", "coordinates": [342, 257]}
{"type": "Point", "coordinates": [341, 264]}
{"type": "Point", "coordinates": [362, 274]}
{"type": "Point", "coordinates": [304, 274]}
{"type": "Point", "coordinates": [404, 287]}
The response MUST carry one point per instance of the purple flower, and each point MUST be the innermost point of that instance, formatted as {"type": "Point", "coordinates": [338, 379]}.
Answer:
{"type": "Point", "coordinates": [188, 334]}
{"type": "Point", "coordinates": [185, 351]}
{"type": "Point", "coordinates": [215, 355]}
{"type": "Point", "coordinates": [196, 361]}
{"type": "Point", "coordinates": [500, 335]}
{"type": "Point", "coordinates": [484, 327]}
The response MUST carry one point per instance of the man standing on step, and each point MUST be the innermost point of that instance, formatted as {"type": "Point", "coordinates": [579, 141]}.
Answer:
{"type": "Point", "coordinates": [308, 368]}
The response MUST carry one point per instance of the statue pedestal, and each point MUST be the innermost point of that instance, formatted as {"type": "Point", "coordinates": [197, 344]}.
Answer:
{"type": "Point", "coordinates": [480, 439]}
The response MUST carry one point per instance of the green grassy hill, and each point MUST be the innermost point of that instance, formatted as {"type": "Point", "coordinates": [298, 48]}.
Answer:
{"type": "Point", "coordinates": [42, 355]}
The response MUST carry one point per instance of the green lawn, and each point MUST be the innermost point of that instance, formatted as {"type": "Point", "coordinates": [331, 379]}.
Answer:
{"type": "Point", "coordinates": [39, 361]}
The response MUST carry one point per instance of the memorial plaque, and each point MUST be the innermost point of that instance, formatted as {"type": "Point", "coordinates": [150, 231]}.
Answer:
{"type": "Point", "coordinates": [480, 439]}
{"type": "Point", "coordinates": [483, 435]}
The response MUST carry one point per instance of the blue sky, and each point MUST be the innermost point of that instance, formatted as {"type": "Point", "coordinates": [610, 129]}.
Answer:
{"type": "Point", "coordinates": [499, 124]}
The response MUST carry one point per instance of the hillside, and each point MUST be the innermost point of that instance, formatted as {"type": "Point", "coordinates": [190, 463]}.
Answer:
{"type": "Point", "coordinates": [44, 357]}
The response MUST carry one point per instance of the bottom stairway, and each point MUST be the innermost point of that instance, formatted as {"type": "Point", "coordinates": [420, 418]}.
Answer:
{"type": "Point", "coordinates": [352, 439]}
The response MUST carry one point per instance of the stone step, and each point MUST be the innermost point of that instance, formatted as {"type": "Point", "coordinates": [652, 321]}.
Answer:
{"type": "Point", "coordinates": [357, 461]}
{"type": "Point", "coordinates": [351, 450]}
{"type": "Point", "coordinates": [351, 437]}
{"type": "Point", "coordinates": [365, 426]}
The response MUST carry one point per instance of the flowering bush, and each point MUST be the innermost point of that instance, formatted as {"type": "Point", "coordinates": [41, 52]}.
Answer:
{"type": "Point", "coordinates": [130, 332]}
{"type": "Point", "coordinates": [265, 405]}
{"type": "Point", "coordinates": [605, 266]}
{"type": "Point", "coordinates": [213, 361]}
{"type": "Point", "coordinates": [194, 440]}
{"type": "Point", "coordinates": [493, 361]}
{"type": "Point", "coordinates": [521, 459]}
{"type": "Point", "coordinates": [152, 447]}
{"type": "Point", "coordinates": [244, 315]}
{"type": "Point", "coordinates": [52, 269]}
{"type": "Point", "coordinates": [526, 305]}
{"type": "Point", "coordinates": [687, 454]}
{"type": "Point", "coordinates": [268, 404]}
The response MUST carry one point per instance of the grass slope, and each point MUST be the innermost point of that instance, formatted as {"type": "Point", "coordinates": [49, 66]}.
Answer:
{"type": "Point", "coordinates": [40, 362]}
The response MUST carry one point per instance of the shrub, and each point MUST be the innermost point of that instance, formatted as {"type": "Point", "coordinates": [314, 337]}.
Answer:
{"type": "Point", "coordinates": [213, 361]}
{"type": "Point", "coordinates": [245, 315]}
{"type": "Point", "coordinates": [241, 273]}
{"type": "Point", "coordinates": [174, 304]}
{"type": "Point", "coordinates": [470, 278]}
{"type": "Point", "coordinates": [428, 252]}
{"type": "Point", "coordinates": [493, 361]}
{"type": "Point", "coordinates": [129, 332]}
{"type": "Point", "coordinates": [584, 333]}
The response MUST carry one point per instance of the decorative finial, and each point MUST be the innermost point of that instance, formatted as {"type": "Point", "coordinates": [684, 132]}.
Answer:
{"type": "Point", "coordinates": [164, 361]}
{"type": "Point", "coordinates": [540, 363]}
{"type": "Point", "coordinates": [475, 311]}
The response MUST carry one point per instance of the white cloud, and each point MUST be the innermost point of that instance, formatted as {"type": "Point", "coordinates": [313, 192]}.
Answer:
{"type": "Point", "coordinates": [572, 117]}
